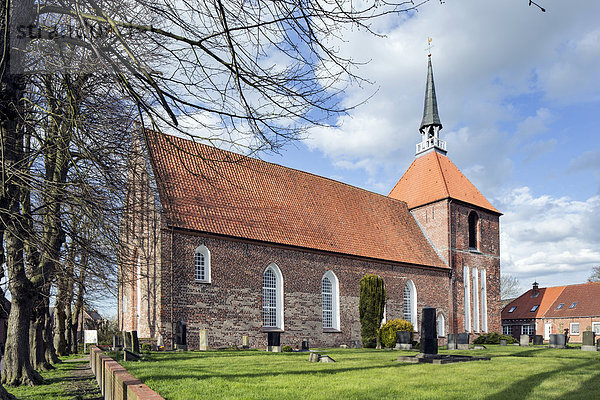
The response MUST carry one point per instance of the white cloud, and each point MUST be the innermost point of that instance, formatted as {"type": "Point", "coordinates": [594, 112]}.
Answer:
{"type": "Point", "coordinates": [554, 240]}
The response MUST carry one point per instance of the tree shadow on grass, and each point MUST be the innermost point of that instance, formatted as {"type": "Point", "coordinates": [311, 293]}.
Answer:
{"type": "Point", "coordinates": [523, 388]}
{"type": "Point", "coordinates": [587, 390]}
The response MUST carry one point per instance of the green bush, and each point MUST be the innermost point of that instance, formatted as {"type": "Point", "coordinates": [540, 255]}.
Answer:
{"type": "Point", "coordinates": [387, 332]}
{"type": "Point", "coordinates": [371, 303]}
{"type": "Point", "coordinates": [494, 338]}
{"type": "Point", "coordinates": [287, 349]}
{"type": "Point", "coordinates": [146, 347]}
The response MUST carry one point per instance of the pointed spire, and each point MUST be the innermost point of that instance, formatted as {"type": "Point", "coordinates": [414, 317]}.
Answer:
{"type": "Point", "coordinates": [430, 111]}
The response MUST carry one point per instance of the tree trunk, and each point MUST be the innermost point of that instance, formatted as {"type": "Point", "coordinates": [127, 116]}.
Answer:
{"type": "Point", "coordinates": [77, 312]}
{"type": "Point", "coordinates": [50, 353]}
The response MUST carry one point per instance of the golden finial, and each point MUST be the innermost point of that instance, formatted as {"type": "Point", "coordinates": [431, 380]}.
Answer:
{"type": "Point", "coordinates": [429, 46]}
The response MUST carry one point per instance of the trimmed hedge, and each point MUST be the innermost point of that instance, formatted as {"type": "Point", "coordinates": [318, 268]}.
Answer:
{"type": "Point", "coordinates": [494, 338]}
{"type": "Point", "coordinates": [371, 304]}
{"type": "Point", "coordinates": [387, 332]}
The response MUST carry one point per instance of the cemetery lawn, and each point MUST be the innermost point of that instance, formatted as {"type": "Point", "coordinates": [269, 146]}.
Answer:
{"type": "Point", "coordinates": [512, 373]}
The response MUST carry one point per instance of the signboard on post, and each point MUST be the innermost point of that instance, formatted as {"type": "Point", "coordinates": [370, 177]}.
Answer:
{"type": "Point", "coordinates": [89, 337]}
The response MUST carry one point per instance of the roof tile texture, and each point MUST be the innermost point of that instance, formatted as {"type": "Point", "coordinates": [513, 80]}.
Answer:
{"type": "Point", "coordinates": [216, 191]}
{"type": "Point", "coordinates": [432, 177]}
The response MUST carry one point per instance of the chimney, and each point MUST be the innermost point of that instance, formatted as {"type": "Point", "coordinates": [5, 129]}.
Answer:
{"type": "Point", "coordinates": [535, 290]}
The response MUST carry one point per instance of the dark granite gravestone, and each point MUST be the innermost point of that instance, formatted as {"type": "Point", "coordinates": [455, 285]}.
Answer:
{"type": "Point", "coordinates": [524, 341]}
{"type": "Point", "coordinates": [305, 346]}
{"type": "Point", "coordinates": [451, 342]}
{"type": "Point", "coordinates": [403, 340]}
{"type": "Point", "coordinates": [558, 341]}
{"type": "Point", "coordinates": [502, 342]}
{"type": "Point", "coordinates": [117, 343]}
{"type": "Point", "coordinates": [274, 341]}
{"type": "Point", "coordinates": [429, 341]}
{"type": "Point", "coordinates": [462, 341]}
{"type": "Point", "coordinates": [127, 341]}
{"type": "Point", "coordinates": [588, 343]}
{"type": "Point", "coordinates": [538, 340]}
{"type": "Point", "coordinates": [180, 335]}
{"type": "Point", "coordinates": [135, 343]}
{"type": "Point", "coordinates": [598, 343]}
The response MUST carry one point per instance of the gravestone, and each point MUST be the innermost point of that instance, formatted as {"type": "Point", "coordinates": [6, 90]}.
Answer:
{"type": "Point", "coordinates": [135, 343]}
{"type": "Point", "coordinates": [524, 341]}
{"type": "Point", "coordinates": [160, 343]}
{"type": "Point", "coordinates": [180, 335]}
{"type": "Point", "coordinates": [462, 341]}
{"type": "Point", "coordinates": [403, 340]}
{"type": "Point", "coordinates": [117, 343]}
{"type": "Point", "coordinates": [558, 341]}
{"type": "Point", "coordinates": [274, 342]}
{"type": "Point", "coordinates": [127, 341]}
{"type": "Point", "coordinates": [130, 356]}
{"type": "Point", "coordinates": [245, 342]}
{"type": "Point", "coordinates": [502, 342]}
{"type": "Point", "coordinates": [203, 340]}
{"type": "Point", "coordinates": [451, 342]}
{"type": "Point", "coordinates": [326, 359]}
{"type": "Point", "coordinates": [305, 345]}
{"type": "Point", "coordinates": [598, 343]}
{"type": "Point", "coordinates": [538, 340]}
{"type": "Point", "coordinates": [429, 341]}
{"type": "Point", "coordinates": [588, 343]}
{"type": "Point", "coordinates": [314, 357]}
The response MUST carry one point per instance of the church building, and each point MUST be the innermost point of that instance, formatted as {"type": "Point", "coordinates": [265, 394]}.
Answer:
{"type": "Point", "coordinates": [233, 246]}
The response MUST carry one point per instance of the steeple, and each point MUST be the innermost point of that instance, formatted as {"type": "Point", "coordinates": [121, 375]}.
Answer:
{"type": "Point", "coordinates": [430, 125]}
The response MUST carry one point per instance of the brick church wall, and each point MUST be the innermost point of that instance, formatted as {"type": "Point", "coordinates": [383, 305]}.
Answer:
{"type": "Point", "coordinates": [231, 305]}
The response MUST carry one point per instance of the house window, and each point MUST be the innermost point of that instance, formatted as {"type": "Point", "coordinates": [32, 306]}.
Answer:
{"type": "Point", "coordinates": [512, 309]}
{"type": "Point", "coordinates": [467, 303]}
{"type": "Point", "coordinates": [473, 230]}
{"type": "Point", "coordinates": [202, 264]}
{"type": "Point", "coordinates": [534, 308]}
{"type": "Point", "coordinates": [574, 328]}
{"type": "Point", "coordinates": [561, 305]}
{"type": "Point", "coordinates": [596, 328]}
{"type": "Point", "coordinates": [507, 330]}
{"type": "Point", "coordinates": [410, 303]}
{"type": "Point", "coordinates": [441, 326]}
{"type": "Point", "coordinates": [527, 329]}
{"type": "Point", "coordinates": [272, 297]}
{"type": "Point", "coordinates": [330, 301]}
{"type": "Point", "coordinates": [573, 305]}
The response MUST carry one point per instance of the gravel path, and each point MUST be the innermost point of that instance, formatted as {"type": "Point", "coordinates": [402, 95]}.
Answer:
{"type": "Point", "coordinates": [81, 384]}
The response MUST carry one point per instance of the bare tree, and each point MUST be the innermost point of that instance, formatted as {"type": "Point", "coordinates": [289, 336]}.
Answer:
{"type": "Point", "coordinates": [595, 275]}
{"type": "Point", "coordinates": [509, 287]}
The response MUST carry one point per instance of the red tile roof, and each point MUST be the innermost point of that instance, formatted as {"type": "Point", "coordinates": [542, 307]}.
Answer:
{"type": "Point", "coordinates": [434, 177]}
{"type": "Point", "coordinates": [587, 296]}
{"type": "Point", "coordinates": [216, 191]}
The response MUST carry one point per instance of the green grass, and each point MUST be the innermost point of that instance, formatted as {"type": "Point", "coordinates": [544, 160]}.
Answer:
{"type": "Point", "coordinates": [58, 384]}
{"type": "Point", "coordinates": [513, 373]}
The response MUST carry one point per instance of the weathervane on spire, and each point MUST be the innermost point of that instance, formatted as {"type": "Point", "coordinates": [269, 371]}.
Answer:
{"type": "Point", "coordinates": [429, 46]}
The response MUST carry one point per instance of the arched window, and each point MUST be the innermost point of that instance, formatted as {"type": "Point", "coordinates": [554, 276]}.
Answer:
{"type": "Point", "coordinates": [202, 264]}
{"type": "Point", "coordinates": [441, 327]}
{"type": "Point", "coordinates": [410, 303]}
{"type": "Point", "coordinates": [330, 299]}
{"type": "Point", "coordinates": [272, 297]}
{"type": "Point", "coordinates": [467, 302]}
{"type": "Point", "coordinates": [473, 230]}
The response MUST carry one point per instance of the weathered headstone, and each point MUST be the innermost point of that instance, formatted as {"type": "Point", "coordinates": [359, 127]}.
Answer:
{"type": "Point", "coordinates": [538, 340]}
{"type": "Point", "coordinates": [160, 344]}
{"type": "Point", "coordinates": [245, 342]}
{"type": "Point", "coordinates": [180, 335]}
{"type": "Point", "coordinates": [429, 341]}
{"type": "Point", "coordinates": [462, 341]}
{"type": "Point", "coordinates": [451, 342]}
{"type": "Point", "coordinates": [524, 341]}
{"type": "Point", "coordinates": [127, 341]}
{"type": "Point", "coordinates": [305, 345]}
{"type": "Point", "coordinates": [558, 341]}
{"type": "Point", "coordinates": [403, 340]}
{"type": "Point", "coordinates": [502, 342]}
{"type": "Point", "coordinates": [326, 359]}
{"type": "Point", "coordinates": [314, 357]}
{"type": "Point", "coordinates": [117, 343]}
{"type": "Point", "coordinates": [588, 343]}
{"type": "Point", "coordinates": [135, 343]}
{"type": "Point", "coordinates": [274, 341]}
{"type": "Point", "coordinates": [203, 340]}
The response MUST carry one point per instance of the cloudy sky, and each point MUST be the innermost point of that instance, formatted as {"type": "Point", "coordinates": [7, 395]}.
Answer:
{"type": "Point", "coordinates": [519, 98]}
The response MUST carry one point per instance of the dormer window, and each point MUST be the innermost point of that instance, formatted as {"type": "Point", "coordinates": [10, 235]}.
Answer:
{"type": "Point", "coordinates": [534, 308]}
{"type": "Point", "coordinates": [561, 305]}
{"type": "Point", "coordinates": [473, 230]}
{"type": "Point", "coordinates": [512, 309]}
{"type": "Point", "coordinates": [573, 305]}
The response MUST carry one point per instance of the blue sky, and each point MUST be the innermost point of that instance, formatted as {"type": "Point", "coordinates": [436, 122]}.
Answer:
{"type": "Point", "coordinates": [519, 97]}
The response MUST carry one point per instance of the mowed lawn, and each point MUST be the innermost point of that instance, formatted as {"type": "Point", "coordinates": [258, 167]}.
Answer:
{"type": "Point", "coordinates": [513, 373]}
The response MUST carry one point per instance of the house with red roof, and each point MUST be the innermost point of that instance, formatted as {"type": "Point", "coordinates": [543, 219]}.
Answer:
{"type": "Point", "coordinates": [232, 246]}
{"type": "Point", "coordinates": [543, 311]}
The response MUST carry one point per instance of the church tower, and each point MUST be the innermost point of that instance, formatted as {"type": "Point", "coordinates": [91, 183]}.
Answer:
{"type": "Point", "coordinates": [460, 223]}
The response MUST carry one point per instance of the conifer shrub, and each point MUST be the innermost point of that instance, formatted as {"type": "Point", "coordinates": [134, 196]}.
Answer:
{"type": "Point", "coordinates": [387, 332]}
{"type": "Point", "coordinates": [287, 349]}
{"type": "Point", "coordinates": [371, 303]}
{"type": "Point", "coordinates": [494, 338]}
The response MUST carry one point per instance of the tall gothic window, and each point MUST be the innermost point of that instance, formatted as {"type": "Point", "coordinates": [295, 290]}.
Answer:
{"type": "Point", "coordinates": [330, 301]}
{"type": "Point", "coordinates": [202, 264]}
{"type": "Point", "coordinates": [473, 230]}
{"type": "Point", "coordinates": [483, 285]}
{"type": "Point", "coordinates": [410, 303]}
{"type": "Point", "coordinates": [272, 293]}
{"type": "Point", "coordinates": [467, 299]}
